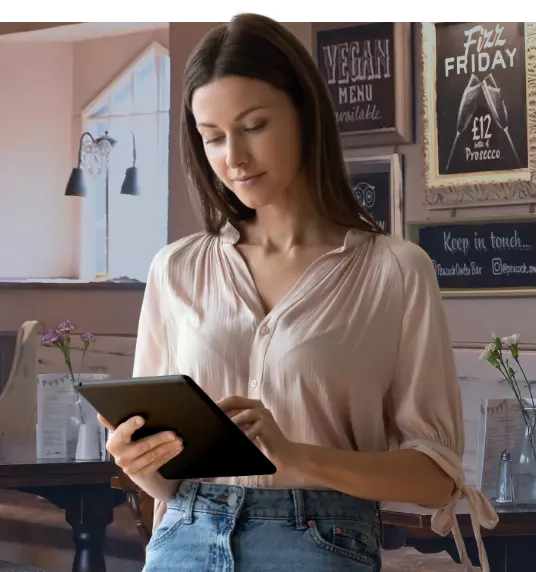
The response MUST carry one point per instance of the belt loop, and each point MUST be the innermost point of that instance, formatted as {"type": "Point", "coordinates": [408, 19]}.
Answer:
{"type": "Point", "coordinates": [380, 521]}
{"type": "Point", "coordinates": [189, 507]}
{"type": "Point", "coordinates": [299, 509]}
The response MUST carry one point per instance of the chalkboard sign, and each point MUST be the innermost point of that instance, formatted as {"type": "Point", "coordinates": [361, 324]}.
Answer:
{"type": "Point", "coordinates": [373, 193]}
{"type": "Point", "coordinates": [357, 63]}
{"type": "Point", "coordinates": [377, 182]}
{"type": "Point", "coordinates": [481, 97]}
{"type": "Point", "coordinates": [492, 254]}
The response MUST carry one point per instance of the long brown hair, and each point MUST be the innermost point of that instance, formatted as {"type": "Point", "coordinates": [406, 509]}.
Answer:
{"type": "Point", "coordinates": [257, 47]}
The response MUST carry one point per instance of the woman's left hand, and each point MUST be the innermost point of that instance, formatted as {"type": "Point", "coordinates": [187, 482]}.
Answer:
{"type": "Point", "coordinates": [257, 422]}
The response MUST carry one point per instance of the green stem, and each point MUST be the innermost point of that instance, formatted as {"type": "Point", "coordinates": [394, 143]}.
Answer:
{"type": "Point", "coordinates": [517, 392]}
{"type": "Point", "coordinates": [83, 357]}
{"type": "Point", "coordinates": [67, 359]}
{"type": "Point", "coordinates": [65, 350]}
{"type": "Point", "coordinates": [81, 410]}
{"type": "Point", "coordinates": [532, 415]}
{"type": "Point", "coordinates": [531, 434]}
{"type": "Point", "coordinates": [512, 382]}
{"type": "Point", "coordinates": [526, 381]}
{"type": "Point", "coordinates": [528, 417]}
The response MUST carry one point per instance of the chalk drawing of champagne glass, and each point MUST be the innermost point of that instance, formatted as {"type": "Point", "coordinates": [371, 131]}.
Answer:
{"type": "Point", "coordinates": [468, 104]}
{"type": "Point", "coordinates": [498, 109]}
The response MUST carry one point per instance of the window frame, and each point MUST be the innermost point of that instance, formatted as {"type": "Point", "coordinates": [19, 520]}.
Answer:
{"type": "Point", "coordinates": [88, 260]}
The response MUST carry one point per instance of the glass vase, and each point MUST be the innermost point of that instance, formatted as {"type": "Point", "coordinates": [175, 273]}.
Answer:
{"type": "Point", "coordinates": [74, 421]}
{"type": "Point", "coordinates": [525, 479]}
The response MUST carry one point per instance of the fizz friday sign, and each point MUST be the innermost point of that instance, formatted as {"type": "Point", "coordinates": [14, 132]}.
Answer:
{"type": "Point", "coordinates": [481, 105]}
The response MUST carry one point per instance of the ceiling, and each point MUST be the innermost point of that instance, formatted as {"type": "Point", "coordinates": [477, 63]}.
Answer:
{"type": "Point", "coordinates": [57, 32]}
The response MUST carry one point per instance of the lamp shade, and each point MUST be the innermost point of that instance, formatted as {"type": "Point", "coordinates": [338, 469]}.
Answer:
{"type": "Point", "coordinates": [131, 183]}
{"type": "Point", "coordinates": [76, 186]}
{"type": "Point", "coordinates": [106, 138]}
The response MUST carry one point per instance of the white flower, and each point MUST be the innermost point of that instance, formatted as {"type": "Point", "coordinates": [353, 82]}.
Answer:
{"type": "Point", "coordinates": [512, 340]}
{"type": "Point", "coordinates": [487, 351]}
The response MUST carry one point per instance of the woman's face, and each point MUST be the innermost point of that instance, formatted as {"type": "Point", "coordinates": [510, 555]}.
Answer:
{"type": "Point", "coordinates": [251, 136]}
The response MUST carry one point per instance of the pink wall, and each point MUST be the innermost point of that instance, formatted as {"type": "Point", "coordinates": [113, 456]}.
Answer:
{"type": "Point", "coordinates": [115, 311]}
{"type": "Point", "coordinates": [470, 320]}
{"type": "Point", "coordinates": [36, 102]}
{"type": "Point", "coordinates": [92, 64]}
{"type": "Point", "coordinates": [49, 83]}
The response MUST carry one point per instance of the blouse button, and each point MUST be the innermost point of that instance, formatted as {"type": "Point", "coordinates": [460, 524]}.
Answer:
{"type": "Point", "coordinates": [254, 383]}
{"type": "Point", "coordinates": [265, 330]}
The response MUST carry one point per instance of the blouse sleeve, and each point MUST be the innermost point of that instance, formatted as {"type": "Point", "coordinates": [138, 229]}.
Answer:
{"type": "Point", "coordinates": [151, 356]}
{"type": "Point", "coordinates": [426, 407]}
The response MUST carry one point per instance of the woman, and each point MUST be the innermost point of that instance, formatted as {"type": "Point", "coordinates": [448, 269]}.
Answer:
{"type": "Point", "coordinates": [322, 338]}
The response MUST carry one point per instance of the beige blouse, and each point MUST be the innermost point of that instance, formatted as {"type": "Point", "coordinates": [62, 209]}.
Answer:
{"type": "Point", "coordinates": [356, 356]}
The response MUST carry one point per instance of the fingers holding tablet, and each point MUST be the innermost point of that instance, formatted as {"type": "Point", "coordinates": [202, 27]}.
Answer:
{"type": "Point", "coordinates": [104, 422]}
{"type": "Point", "coordinates": [145, 456]}
{"type": "Point", "coordinates": [207, 443]}
{"type": "Point", "coordinates": [126, 429]}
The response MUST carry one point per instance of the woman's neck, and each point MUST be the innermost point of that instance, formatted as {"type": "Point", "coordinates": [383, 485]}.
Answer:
{"type": "Point", "coordinates": [282, 229]}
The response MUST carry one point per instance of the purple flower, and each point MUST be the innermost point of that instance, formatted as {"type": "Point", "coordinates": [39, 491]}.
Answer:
{"type": "Point", "coordinates": [65, 326]}
{"type": "Point", "coordinates": [87, 338]}
{"type": "Point", "coordinates": [60, 337]}
{"type": "Point", "coordinates": [52, 337]}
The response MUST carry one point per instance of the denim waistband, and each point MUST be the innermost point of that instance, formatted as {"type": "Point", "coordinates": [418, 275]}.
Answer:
{"type": "Point", "coordinates": [252, 502]}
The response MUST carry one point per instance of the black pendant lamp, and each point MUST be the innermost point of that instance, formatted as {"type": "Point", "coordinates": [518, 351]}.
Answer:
{"type": "Point", "coordinates": [76, 185]}
{"type": "Point", "coordinates": [131, 183]}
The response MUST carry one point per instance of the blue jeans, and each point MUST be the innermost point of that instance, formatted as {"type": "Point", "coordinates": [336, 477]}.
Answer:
{"type": "Point", "coordinates": [220, 528]}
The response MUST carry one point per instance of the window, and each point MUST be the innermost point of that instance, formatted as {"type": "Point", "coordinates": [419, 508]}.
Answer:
{"type": "Point", "coordinates": [136, 103]}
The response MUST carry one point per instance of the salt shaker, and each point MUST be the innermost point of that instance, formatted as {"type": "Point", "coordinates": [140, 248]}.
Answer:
{"type": "Point", "coordinates": [505, 496]}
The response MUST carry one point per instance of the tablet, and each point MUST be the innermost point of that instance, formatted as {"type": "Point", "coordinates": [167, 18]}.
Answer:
{"type": "Point", "coordinates": [214, 446]}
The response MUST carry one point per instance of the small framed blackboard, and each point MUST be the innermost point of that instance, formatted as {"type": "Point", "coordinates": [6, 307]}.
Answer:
{"type": "Point", "coordinates": [492, 256]}
{"type": "Point", "coordinates": [378, 184]}
{"type": "Point", "coordinates": [478, 110]}
{"type": "Point", "coordinates": [368, 73]}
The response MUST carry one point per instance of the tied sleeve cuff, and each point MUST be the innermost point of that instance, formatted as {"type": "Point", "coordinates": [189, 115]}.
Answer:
{"type": "Point", "coordinates": [444, 520]}
{"type": "Point", "coordinates": [482, 515]}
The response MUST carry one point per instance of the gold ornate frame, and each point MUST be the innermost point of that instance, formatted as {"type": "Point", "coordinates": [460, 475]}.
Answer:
{"type": "Point", "coordinates": [474, 189]}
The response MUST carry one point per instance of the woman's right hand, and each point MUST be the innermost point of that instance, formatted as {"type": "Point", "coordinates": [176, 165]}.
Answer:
{"type": "Point", "coordinates": [140, 459]}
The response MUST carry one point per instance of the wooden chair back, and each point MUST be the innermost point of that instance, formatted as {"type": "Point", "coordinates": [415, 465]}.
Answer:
{"type": "Point", "coordinates": [18, 399]}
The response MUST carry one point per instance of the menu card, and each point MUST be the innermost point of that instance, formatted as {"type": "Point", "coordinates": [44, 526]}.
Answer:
{"type": "Point", "coordinates": [500, 427]}
{"type": "Point", "coordinates": [55, 400]}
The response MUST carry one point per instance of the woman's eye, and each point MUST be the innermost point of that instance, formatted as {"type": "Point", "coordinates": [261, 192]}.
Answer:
{"type": "Point", "coordinates": [217, 138]}
{"type": "Point", "coordinates": [257, 127]}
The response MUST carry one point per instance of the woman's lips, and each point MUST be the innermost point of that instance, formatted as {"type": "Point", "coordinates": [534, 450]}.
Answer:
{"type": "Point", "coordinates": [248, 181]}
